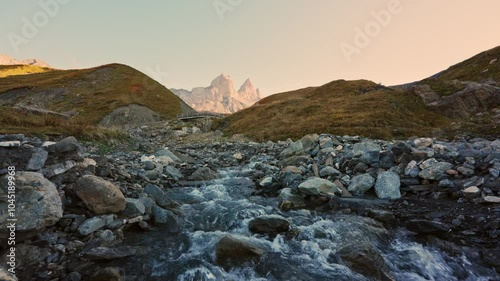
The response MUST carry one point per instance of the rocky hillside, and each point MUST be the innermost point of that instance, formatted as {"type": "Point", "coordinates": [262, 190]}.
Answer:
{"type": "Point", "coordinates": [464, 99]}
{"type": "Point", "coordinates": [110, 95]}
{"type": "Point", "coordinates": [220, 96]}
{"type": "Point", "coordinates": [7, 60]}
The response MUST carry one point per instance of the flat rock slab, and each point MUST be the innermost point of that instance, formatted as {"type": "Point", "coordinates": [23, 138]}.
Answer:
{"type": "Point", "coordinates": [106, 253]}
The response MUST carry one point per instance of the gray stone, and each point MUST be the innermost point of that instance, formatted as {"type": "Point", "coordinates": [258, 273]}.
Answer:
{"type": "Point", "coordinates": [412, 169]}
{"type": "Point", "coordinates": [295, 148]}
{"type": "Point", "coordinates": [37, 160]}
{"type": "Point", "coordinates": [204, 174]}
{"type": "Point", "coordinates": [133, 208]}
{"type": "Point", "coordinates": [329, 171]}
{"type": "Point", "coordinates": [271, 225]}
{"type": "Point", "coordinates": [173, 172]}
{"type": "Point", "coordinates": [159, 196]}
{"type": "Point", "coordinates": [106, 253]}
{"type": "Point", "coordinates": [387, 186]}
{"type": "Point", "coordinates": [168, 153]}
{"type": "Point", "coordinates": [58, 169]}
{"type": "Point", "coordinates": [325, 142]}
{"type": "Point", "coordinates": [266, 182]}
{"type": "Point", "coordinates": [289, 201]}
{"type": "Point", "coordinates": [38, 204]}
{"type": "Point", "coordinates": [367, 152]}
{"type": "Point", "coordinates": [309, 142]}
{"type": "Point", "coordinates": [100, 196]}
{"type": "Point", "coordinates": [471, 192]}
{"type": "Point", "coordinates": [231, 250]}
{"type": "Point", "coordinates": [162, 216]}
{"type": "Point", "coordinates": [10, 144]}
{"type": "Point", "coordinates": [66, 145]}
{"type": "Point", "coordinates": [316, 186]}
{"type": "Point", "coordinates": [148, 165]}
{"type": "Point", "coordinates": [435, 171]}
{"type": "Point", "coordinates": [361, 184]}
{"type": "Point", "coordinates": [491, 199]}
{"type": "Point", "coordinates": [465, 171]}
{"type": "Point", "coordinates": [95, 223]}
{"type": "Point", "coordinates": [421, 226]}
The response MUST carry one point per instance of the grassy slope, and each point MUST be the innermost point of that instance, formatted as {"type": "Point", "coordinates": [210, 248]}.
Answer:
{"type": "Point", "coordinates": [339, 107]}
{"type": "Point", "coordinates": [475, 69]}
{"type": "Point", "coordinates": [11, 70]}
{"type": "Point", "coordinates": [93, 93]}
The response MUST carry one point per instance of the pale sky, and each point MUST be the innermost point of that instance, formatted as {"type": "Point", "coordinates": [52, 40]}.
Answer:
{"type": "Point", "coordinates": [280, 44]}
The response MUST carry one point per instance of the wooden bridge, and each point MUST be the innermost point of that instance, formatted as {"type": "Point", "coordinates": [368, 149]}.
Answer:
{"type": "Point", "coordinates": [201, 114]}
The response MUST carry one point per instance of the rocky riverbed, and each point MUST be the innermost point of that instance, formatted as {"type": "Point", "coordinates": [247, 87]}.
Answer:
{"type": "Point", "coordinates": [187, 205]}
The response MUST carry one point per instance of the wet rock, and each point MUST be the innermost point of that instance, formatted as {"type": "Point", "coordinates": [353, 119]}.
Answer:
{"type": "Point", "coordinates": [38, 204]}
{"type": "Point", "coordinates": [435, 170]}
{"type": "Point", "coordinates": [269, 225]}
{"type": "Point", "coordinates": [159, 196]}
{"type": "Point", "coordinates": [162, 216]}
{"type": "Point", "coordinates": [387, 186]}
{"type": "Point", "coordinates": [204, 174]}
{"type": "Point", "coordinates": [106, 253]}
{"type": "Point", "coordinates": [95, 223]}
{"type": "Point", "coordinates": [364, 258]}
{"type": "Point", "coordinates": [381, 215]}
{"type": "Point", "coordinates": [316, 186]}
{"type": "Point", "coordinates": [361, 184]}
{"type": "Point", "coordinates": [266, 182]}
{"type": "Point", "coordinates": [491, 257]}
{"type": "Point", "coordinates": [100, 196]}
{"type": "Point", "coordinates": [422, 226]}
{"type": "Point", "coordinates": [290, 201]}
{"type": "Point", "coordinates": [231, 250]}
{"type": "Point", "coordinates": [173, 172]}
{"type": "Point", "coordinates": [107, 274]}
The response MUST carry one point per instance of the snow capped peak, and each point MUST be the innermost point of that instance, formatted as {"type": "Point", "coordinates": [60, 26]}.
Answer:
{"type": "Point", "coordinates": [7, 60]}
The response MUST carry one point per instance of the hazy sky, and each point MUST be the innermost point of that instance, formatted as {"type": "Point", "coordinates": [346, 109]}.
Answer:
{"type": "Point", "coordinates": [280, 44]}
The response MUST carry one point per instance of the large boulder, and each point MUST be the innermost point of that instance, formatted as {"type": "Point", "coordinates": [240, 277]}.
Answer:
{"type": "Point", "coordinates": [316, 186]}
{"type": "Point", "coordinates": [231, 250]}
{"type": "Point", "coordinates": [100, 196]}
{"type": "Point", "coordinates": [387, 185]}
{"type": "Point", "coordinates": [361, 184]}
{"type": "Point", "coordinates": [37, 203]}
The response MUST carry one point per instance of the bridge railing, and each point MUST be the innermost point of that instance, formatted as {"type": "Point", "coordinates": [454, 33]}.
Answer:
{"type": "Point", "coordinates": [200, 115]}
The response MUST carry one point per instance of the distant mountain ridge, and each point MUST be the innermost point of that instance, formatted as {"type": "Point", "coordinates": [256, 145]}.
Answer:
{"type": "Point", "coordinates": [221, 96]}
{"type": "Point", "coordinates": [8, 60]}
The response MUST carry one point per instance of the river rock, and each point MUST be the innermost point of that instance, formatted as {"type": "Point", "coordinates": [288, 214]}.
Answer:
{"type": "Point", "coordinates": [361, 184]}
{"type": "Point", "coordinates": [231, 250]}
{"type": "Point", "coordinates": [162, 216]}
{"type": "Point", "coordinates": [95, 223]}
{"type": "Point", "coordinates": [316, 186]}
{"type": "Point", "coordinates": [365, 259]}
{"type": "Point", "coordinates": [38, 204]}
{"type": "Point", "coordinates": [269, 225]}
{"type": "Point", "coordinates": [204, 174]}
{"type": "Point", "coordinates": [471, 192]}
{"type": "Point", "coordinates": [133, 208]}
{"type": "Point", "coordinates": [107, 253]}
{"type": "Point", "coordinates": [159, 196]}
{"type": "Point", "coordinates": [422, 226]}
{"type": "Point", "coordinates": [100, 196]}
{"type": "Point", "coordinates": [168, 153]}
{"type": "Point", "coordinates": [290, 201]}
{"type": "Point", "coordinates": [107, 274]}
{"type": "Point", "coordinates": [491, 199]}
{"type": "Point", "coordinates": [387, 186]}
{"type": "Point", "coordinates": [435, 171]}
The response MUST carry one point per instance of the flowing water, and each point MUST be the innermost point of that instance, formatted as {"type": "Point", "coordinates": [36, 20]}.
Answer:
{"type": "Point", "coordinates": [186, 250]}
